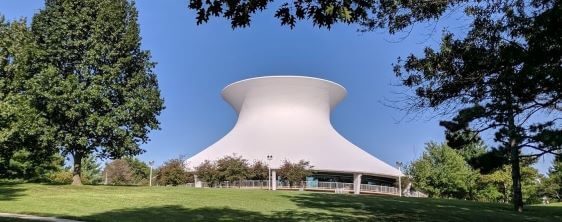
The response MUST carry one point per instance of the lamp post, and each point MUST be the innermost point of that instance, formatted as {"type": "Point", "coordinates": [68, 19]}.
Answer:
{"type": "Point", "coordinates": [399, 165]}
{"type": "Point", "coordinates": [150, 163]}
{"type": "Point", "coordinates": [269, 158]}
{"type": "Point", "coordinates": [105, 183]}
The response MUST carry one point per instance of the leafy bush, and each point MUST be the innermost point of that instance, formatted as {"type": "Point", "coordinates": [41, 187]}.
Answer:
{"type": "Point", "coordinates": [258, 171]}
{"type": "Point", "coordinates": [173, 173]}
{"type": "Point", "coordinates": [60, 177]}
{"type": "Point", "coordinates": [140, 170]}
{"type": "Point", "coordinates": [208, 172]}
{"type": "Point", "coordinates": [230, 168]}
{"type": "Point", "coordinates": [295, 172]}
{"type": "Point", "coordinates": [233, 168]}
{"type": "Point", "coordinates": [118, 173]}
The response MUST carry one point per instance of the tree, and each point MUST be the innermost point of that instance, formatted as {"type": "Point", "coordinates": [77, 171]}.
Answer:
{"type": "Point", "coordinates": [552, 185]}
{"type": "Point", "coordinates": [369, 14]}
{"type": "Point", "coordinates": [258, 171]}
{"type": "Point", "coordinates": [25, 165]}
{"type": "Point", "coordinates": [232, 168]}
{"type": "Point", "coordinates": [295, 172]}
{"type": "Point", "coordinates": [173, 173]}
{"type": "Point", "coordinates": [468, 144]}
{"type": "Point", "coordinates": [26, 144]}
{"type": "Point", "coordinates": [208, 172]}
{"type": "Point", "coordinates": [118, 172]}
{"type": "Point", "coordinates": [91, 170]}
{"type": "Point", "coordinates": [94, 83]}
{"type": "Point", "coordinates": [442, 172]}
{"type": "Point", "coordinates": [497, 186]}
{"type": "Point", "coordinates": [501, 75]}
{"type": "Point", "coordinates": [140, 170]}
{"type": "Point", "coordinates": [498, 78]}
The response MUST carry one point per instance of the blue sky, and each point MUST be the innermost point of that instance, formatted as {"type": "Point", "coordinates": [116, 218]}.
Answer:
{"type": "Point", "coordinates": [196, 62]}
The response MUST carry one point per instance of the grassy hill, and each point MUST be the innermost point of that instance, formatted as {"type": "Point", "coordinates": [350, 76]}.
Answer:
{"type": "Point", "coordinates": [162, 204]}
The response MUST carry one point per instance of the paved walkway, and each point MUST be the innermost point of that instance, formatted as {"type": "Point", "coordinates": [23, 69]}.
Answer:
{"type": "Point", "coordinates": [36, 218]}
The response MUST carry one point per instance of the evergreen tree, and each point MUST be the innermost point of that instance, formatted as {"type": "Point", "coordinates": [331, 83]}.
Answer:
{"type": "Point", "coordinates": [95, 85]}
{"type": "Point", "coordinates": [468, 144]}
{"type": "Point", "coordinates": [91, 170]}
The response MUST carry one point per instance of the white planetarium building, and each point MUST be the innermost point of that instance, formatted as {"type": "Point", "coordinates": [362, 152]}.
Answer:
{"type": "Point", "coordinates": [288, 118]}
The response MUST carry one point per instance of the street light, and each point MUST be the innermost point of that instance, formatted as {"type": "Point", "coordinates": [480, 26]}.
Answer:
{"type": "Point", "coordinates": [399, 165]}
{"type": "Point", "coordinates": [105, 169]}
{"type": "Point", "coordinates": [269, 158]}
{"type": "Point", "coordinates": [150, 163]}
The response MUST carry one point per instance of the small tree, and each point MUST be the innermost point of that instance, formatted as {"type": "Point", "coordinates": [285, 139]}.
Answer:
{"type": "Point", "coordinates": [118, 173]}
{"type": "Point", "coordinates": [207, 171]}
{"type": "Point", "coordinates": [497, 186]}
{"type": "Point", "coordinates": [140, 170]}
{"type": "Point", "coordinates": [295, 172]}
{"type": "Point", "coordinates": [442, 172]}
{"type": "Point", "coordinates": [173, 173]}
{"type": "Point", "coordinates": [91, 171]}
{"type": "Point", "coordinates": [551, 185]}
{"type": "Point", "coordinates": [233, 168]}
{"type": "Point", "coordinates": [258, 171]}
{"type": "Point", "coordinates": [554, 181]}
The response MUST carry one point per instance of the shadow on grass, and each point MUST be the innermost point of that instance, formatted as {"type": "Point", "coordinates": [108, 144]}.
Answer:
{"type": "Point", "coordinates": [171, 213]}
{"type": "Point", "coordinates": [322, 207]}
{"type": "Point", "coordinates": [10, 191]}
{"type": "Point", "coordinates": [384, 208]}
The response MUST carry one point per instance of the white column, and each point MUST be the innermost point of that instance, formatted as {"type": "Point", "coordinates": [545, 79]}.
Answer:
{"type": "Point", "coordinates": [400, 185]}
{"type": "Point", "coordinates": [197, 181]}
{"type": "Point", "coordinates": [273, 180]}
{"type": "Point", "coordinates": [150, 177]}
{"type": "Point", "coordinates": [357, 183]}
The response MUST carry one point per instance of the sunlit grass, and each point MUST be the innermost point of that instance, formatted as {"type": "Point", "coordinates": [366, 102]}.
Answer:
{"type": "Point", "coordinates": [115, 203]}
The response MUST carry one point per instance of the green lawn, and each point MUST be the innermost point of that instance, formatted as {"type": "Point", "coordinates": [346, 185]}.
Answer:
{"type": "Point", "coordinates": [108, 203]}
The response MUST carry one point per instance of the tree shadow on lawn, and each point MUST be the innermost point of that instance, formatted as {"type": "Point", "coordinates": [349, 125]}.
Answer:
{"type": "Point", "coordinates": [327, 207]}
{"type": "Point", "coordinates": [386, 208]}
{"type": "Point", "coordinates": [171, 213]}
{"type": "Point", "coordinates": [10, 191]}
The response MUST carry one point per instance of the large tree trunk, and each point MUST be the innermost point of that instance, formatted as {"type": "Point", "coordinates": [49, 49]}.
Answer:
{"type": "Point", "coordinates": [77, 169]}
{"type": "Point", "coordinates": [516, 178]}
{"type": "Point", "coordinates": [515, 166]}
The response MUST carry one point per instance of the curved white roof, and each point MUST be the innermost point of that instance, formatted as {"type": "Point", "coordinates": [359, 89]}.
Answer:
{"type": "Point", "coordinates": [288, 117]}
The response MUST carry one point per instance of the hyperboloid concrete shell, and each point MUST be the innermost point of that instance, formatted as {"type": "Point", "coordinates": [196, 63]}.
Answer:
{"type": "Point", "coordinates": [288, 117]}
